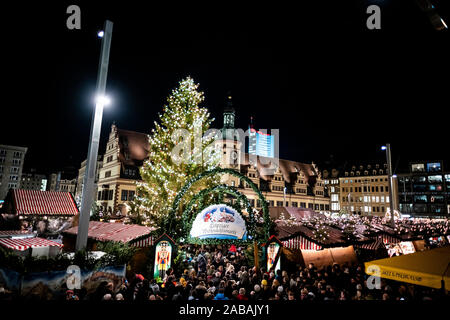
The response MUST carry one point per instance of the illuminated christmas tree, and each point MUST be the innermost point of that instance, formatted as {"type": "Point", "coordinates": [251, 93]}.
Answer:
{"type": "Point", "coordinates": [180, 148]}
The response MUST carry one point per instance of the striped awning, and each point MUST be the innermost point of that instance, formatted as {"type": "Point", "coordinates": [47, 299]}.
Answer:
{"type": "Point", "coordinates": [117, 232]}
{"type": "Point", "coordinates": [33, 202]}
{"type": "Point", "coordinates": [26, 243]}
{"type": "Point", "coordinates": [372, 245]}
{"type": "Point", "coordinates": [146, 242]}
{"type": "Point", "coordinates": [301, 243]}
{"type": "Point", "coordinates": [389, 239]}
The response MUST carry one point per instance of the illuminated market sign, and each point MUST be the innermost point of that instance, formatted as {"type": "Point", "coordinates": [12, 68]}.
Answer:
{"type": "Point", "coordinates": [220, 222]}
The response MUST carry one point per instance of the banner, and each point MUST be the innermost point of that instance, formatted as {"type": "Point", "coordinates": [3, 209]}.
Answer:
{"type": "Point", "coordinates": [219, 222]}
{"type": "Point", "coordinates": [163, 256]}
{"type": "Point", "coordinates": [273, 256]}
{"type": "Point", "coordinates": [52, 285]}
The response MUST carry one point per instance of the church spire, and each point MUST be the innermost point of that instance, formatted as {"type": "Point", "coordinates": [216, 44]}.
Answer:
{"type": "Point", "coordinates": [228, 113]}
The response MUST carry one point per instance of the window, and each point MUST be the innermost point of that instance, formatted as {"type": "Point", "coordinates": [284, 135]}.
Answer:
{"type": "Point", "coordinates": [310, 206]}
{"type": "Point", "coordinates": [14, 170]}
{"type": "Point", "coordinates": [110, 194]}
{"type": "Point", "coordinates": [17, 154]}
{"type": "Point", "coordinates": [252, 202]}
{"type": "Point", "coordinates": [124, 196]}
{"type": "Point", "coordinates": [2, 152]}
{"type": "Point", "coordinates": [109, 159]}
{"type": "Point", "coordinates": [433, 167]}
{"type": "Point", "coordinates": [2, 160]}
{"type": "Point", "coordinates": [434, 179]}
{"type": "Point", "coordinates": [13, 178]}
{"type": "Point", "coordinates": [335, 197]}
{"type": "Point", "coordinates": [271, 203]}
{"type": "Point", "coordinates": [435, 187]}
{"type": "Point", "coordinates": [437, 199]}
{"type": "Point", "coordinates": [108, 174]}
{"type": "Point", "coordinates": [279, 203]}
{"type": "Point", "coordinates": [418, 167]}
{"type": "Point", "coordinates": [335, 207]}
{"type": "Point", "coordinates": [381, 189]}
{"type": "Point", "coordinates": [302, 204]}
{"type": "Point", "coordinates": [16, 162]}
{"type": "Point", "coordinates": [322, 207]}
{"type": "Point", "coordinates": [294, 204]}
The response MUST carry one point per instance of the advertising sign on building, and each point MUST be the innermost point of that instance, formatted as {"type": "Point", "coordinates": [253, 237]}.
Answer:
{"type": "Point", "coordinates": [261, 144]}
{"type": "Point", "coordinates": [219, 222]}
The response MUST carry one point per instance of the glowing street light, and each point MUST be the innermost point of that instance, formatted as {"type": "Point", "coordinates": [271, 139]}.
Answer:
{"type": "Point", "coordinates": [101, 33]}
{"type": "Point", "coordinates": [102, 100]}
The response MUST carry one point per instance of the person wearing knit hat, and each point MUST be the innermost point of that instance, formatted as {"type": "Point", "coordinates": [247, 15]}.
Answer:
{"type": "Point", "coordinates": [264, 283]}
{"type": "Point", "coordinates": [280, 289]}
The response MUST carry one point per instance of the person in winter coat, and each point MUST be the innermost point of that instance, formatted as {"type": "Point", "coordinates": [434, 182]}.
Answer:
{"type": "Point", "coordinates": [220, 295]}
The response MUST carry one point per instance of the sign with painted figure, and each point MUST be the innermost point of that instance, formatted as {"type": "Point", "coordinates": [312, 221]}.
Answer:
{"type": "Point", "coordinates": [163, 256]}
{"type": "Point", "coordinates": [273, 256]}
{"type": "Point", "coordinates": [219, 222]}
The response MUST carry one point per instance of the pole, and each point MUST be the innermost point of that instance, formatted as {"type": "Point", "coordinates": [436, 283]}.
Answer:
{"type": "Point", "coordinates": [391, 202]}
{"type": "Point", "coordinates": [256, 255]}
{"type": "Point", "coordinates": [91, 163]}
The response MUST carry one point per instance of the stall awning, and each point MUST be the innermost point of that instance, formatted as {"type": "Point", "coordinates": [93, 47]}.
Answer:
{"type": "Point", "coordinates": [24, 244]}
{"type": "Point", "coordinates": [375, 245]}
{"type": "Point", "coordinates": [301, 243]}
{"type": "Point", "coordinates": [425, 268]}
{"type": "Point", "coordinates": [32, 202]}
{"type": "Point", "coordinates": [132, 234]}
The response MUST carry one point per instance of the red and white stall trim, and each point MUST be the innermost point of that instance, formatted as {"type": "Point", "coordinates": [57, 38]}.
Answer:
{"type": "Point", "coordinates": [301, 243]}
{"type": "Point", "coordinates": [44, 203]}
{"type": "Point", "coordinates": [147, 242]}
{"type": "Point", "coordinates": [24, 244]}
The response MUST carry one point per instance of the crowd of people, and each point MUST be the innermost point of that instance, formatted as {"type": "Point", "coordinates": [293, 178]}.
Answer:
{"type": "Point", "coordinates": [225, 274]}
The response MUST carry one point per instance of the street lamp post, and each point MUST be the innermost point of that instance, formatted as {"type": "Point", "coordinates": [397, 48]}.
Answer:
{"type": "Point", "coordinates": [91, 163]}
{"type": "Point", "coordinates": [389, 163]}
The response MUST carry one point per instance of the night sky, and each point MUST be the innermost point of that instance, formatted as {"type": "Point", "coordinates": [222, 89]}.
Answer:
{"type": "Point", "coordinates": [315, 72]}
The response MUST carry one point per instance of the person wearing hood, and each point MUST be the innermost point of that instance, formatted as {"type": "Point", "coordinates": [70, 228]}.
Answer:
{"type": "Point", "coordinates": [220, 295]}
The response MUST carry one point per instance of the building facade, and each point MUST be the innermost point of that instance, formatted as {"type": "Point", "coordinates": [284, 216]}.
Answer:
{"type": "Point", "coordinates": [80, 179]}
{"type": "Point", "coordinates": [364, 190]}
{"type": "Point", "coordinates": [125, 154]}
{"type": "Point", "coordinates": [332, 188]}
{"type": "Point", "coordinates": [425, 190]}
{"type": "Point", "coordinates": [62, 182]}
{"type": "Point", "coordinates": [11, 165]}
{"type": "Point", "coordinates": [286, 184]}
{"type": "Point", "coordinates": [33, 181]}
{"type": "Point", "coordinates": [360, 189]}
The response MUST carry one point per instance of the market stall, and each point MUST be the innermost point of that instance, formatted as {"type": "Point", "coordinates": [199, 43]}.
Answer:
{"type": "Point", "coordinates": [429, 268]}
{"type": "Point", "coordinates": [32, 246]}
